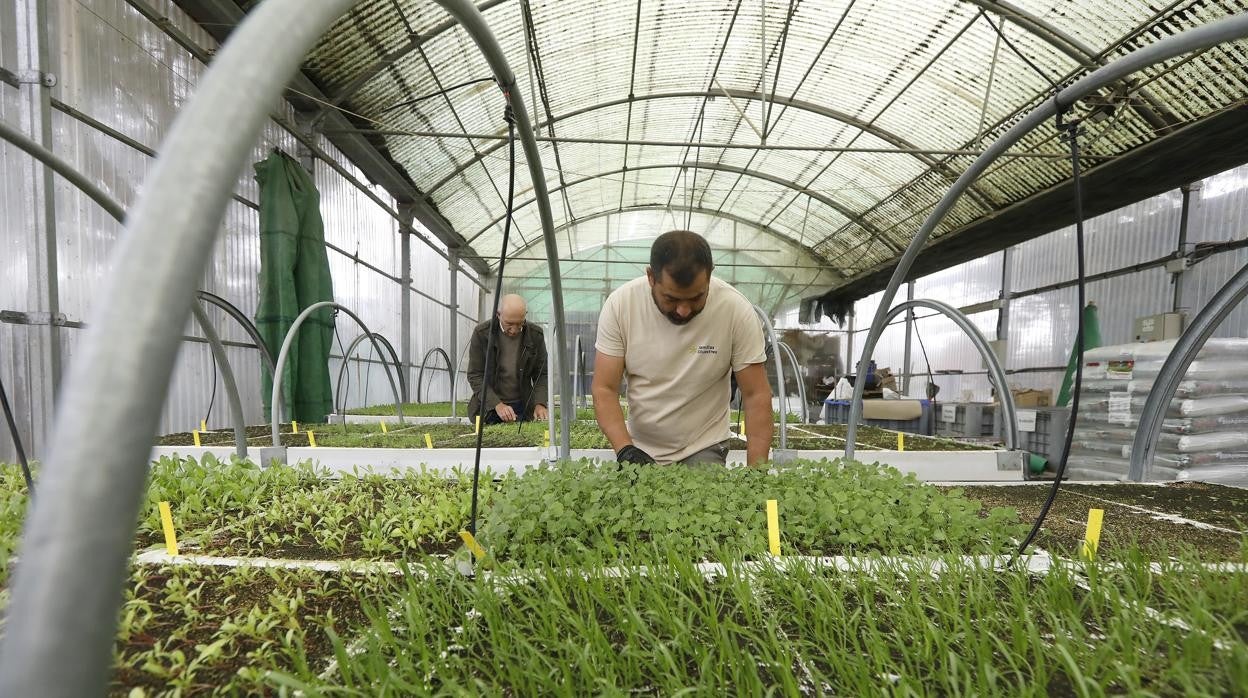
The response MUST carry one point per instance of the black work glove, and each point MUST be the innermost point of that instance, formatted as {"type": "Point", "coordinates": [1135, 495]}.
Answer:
{"type": "Point", "coordinates": [632, 454]}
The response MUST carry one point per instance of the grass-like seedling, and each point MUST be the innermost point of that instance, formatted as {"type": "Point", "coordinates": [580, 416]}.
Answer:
{"type": "Point", "coordinates": [949, 626]}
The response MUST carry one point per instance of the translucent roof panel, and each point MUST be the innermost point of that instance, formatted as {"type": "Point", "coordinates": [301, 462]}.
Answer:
{"type": "Point", "coordinates": [836, 129]}
{"type": "Point", "coordinates": [613, 249]}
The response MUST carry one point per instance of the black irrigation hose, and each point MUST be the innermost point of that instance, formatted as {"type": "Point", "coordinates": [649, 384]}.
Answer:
{"type": "Point", "coordinates": [212, 399]}
{"type": "Point", "coordinates": [1070, 133]}
{"type": "Point", "coordinates": [931, 380]}
{"type": "Point", "coordinates": [17, 440]}
{"type": "Point", "coordinates": [498, 293]}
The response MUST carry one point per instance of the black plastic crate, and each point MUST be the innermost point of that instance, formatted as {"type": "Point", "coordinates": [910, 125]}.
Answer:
{"type": "Point", "coordinates": [971, 420]}
{"type": "Point", "coordinates": [1049, 434]}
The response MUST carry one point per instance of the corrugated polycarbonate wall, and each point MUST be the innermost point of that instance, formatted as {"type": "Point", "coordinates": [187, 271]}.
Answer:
{"type": "Point", "coordinates": [1042, 321]}
{"type": "Point", "coordinates": [128, 74]}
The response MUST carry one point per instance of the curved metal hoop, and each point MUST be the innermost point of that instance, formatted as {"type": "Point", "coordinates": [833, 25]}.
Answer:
{"type": "Point", "coordinates": [290, 341]}
{"type": "Point", "coordinates": [450, 370]}
{"type": "Point", "coordinates": [248, 326]}
{"type": "Point", "coordinates": [801, 384]}
{"type": "Point", "coordinates": [985, 350]}
{"type": "Point", "coordinates": [1217, 32]}
{"type": "Point", "coordinates": [118, 212]}
{"type": "Point", "coordinates": [342, 370]}
{"type": "Point", "coordinates": [1175, 366]}
{"type": "Point", "coordinates": [769, 333]}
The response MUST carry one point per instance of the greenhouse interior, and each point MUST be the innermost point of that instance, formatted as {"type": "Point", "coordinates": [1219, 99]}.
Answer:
{"type": "Point", "coordinates": [570, 347]}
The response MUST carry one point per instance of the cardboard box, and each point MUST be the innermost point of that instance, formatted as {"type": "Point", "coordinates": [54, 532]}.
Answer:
{"type": "Point", "coordinates": [1032, 398]}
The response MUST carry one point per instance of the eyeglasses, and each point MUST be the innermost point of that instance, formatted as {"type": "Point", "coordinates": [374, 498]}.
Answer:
{"type": "Point", "coordinates": [511, 325]}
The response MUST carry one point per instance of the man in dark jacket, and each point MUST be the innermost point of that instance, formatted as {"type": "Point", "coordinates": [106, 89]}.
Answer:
{"type": "Point", "coordinates": [517, 389]}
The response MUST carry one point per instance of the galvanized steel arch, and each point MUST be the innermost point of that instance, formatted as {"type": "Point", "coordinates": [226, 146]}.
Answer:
{"type": "Point", "coordinates": [715, 167]}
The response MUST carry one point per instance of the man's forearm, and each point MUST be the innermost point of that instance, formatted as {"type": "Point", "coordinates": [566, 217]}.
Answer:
{"type": "Point", "coordinates": [758, 429]}
{"type": "Point", "coordinates": [611, 418]}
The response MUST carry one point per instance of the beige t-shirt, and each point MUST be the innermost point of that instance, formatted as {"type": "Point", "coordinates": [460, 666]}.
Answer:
{"type": "Point", "coordinates": [678, 374]}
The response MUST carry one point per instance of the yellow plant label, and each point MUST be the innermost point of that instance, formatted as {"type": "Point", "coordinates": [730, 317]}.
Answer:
{"type": "Point", "coordinates": [166, 522]}
{"type": "Point", "coordinates": [901, 442]}
{"type": "Point", "coordinates": [203, 425]}
{"type": "Point", "coordinates": [470, 541]}
{"type": "Point", "coordinates": [546, 438]}
{"type": "Point", "coordinates": [312, 438]}
{"type": "Point", "coordinates": [478, 431]}
{"type": "Point", "coordinates": [384, 430]}
{"type": "Point", "coordinates": [773, 527]}
{"type": "Point", "coordinates": [294, 427]}
{"type": "Point", "coordinates": [1092, 538]}
{"type": "Point", "coordinates": [428, 441]}
{"type": "Point", "coordinates": [195, 435]}
{"type": "Point", "coordinates": [743, 428]}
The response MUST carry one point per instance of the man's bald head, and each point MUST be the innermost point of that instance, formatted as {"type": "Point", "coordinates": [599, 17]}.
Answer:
{"type": "Point", "coordinates": [511, 313]}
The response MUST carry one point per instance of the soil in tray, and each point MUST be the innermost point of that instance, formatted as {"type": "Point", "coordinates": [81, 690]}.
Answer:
{"type": "Point", "coordinates": [584, 435]}
{"type": "Point", "coordinates": [1124, 528]}
{"type": "Point", "coordinates": [173, 613]}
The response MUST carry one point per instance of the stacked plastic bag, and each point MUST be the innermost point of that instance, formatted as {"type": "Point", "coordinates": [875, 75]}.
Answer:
{"type": "Point", "coordinates": [1205, 432]}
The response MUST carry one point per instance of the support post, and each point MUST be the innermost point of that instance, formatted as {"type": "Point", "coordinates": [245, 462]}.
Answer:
{"type": "Point", "coordinates": [1180, 247]}
{"type": "Point", "coordinates": [405, 299]}
{"type": "Point", "coordinates": [37, 84]}
{"type": "Point", "coordinates": [905, 356]}
{"type": "Point", "coordinates": [453, 344]}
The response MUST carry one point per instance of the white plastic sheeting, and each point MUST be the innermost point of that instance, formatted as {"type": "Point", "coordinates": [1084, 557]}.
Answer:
{"type": "Point", "coordinates": [125, 72]}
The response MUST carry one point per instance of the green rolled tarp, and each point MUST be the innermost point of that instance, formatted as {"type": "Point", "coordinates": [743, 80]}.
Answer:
{"type": "Point", "coordinates": [1091, 340]}
{"type": "Point", "coordinates": [294, 274]}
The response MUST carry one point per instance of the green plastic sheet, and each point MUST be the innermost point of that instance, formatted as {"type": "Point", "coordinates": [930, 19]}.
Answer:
{"type": "Point", "coordinates": [294, 274]}
{"type": "Point", "coordinates": [1091, 340]}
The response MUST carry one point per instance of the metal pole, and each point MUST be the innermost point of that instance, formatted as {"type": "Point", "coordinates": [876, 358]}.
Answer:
{"type": "Point", "coordinates": [783, 402]}
{"type": "Point", "coordinates": [91, 489]}
{"type": "Point", "coordinates": [905, 356]}
{"type": "Point", "coordinates": [1144, 447]}
{"type": "Point", "coordinates": [1179, 248]}
{"type": "Point", "coordinates": [405, 299]}
{"type": "Point", "coordinates": [1202, 37]}
{"type": "Point", "coordinates": [38, 84]}
{"type": "Point", "coordinates": [474, 24]}
{"type": "Point", "coordinates": [452, 359]}
{"type": "Point", "coordinates": [289, 341]}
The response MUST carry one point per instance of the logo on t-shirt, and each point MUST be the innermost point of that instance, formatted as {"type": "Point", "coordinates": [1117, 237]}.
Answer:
{"type": "Point", "coordinates": [703, 349]}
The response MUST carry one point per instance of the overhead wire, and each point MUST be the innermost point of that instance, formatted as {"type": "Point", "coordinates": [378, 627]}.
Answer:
{"type": "Point", "coordinates": [431, 95]}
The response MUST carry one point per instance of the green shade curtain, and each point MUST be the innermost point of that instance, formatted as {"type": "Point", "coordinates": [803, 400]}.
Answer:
{"type": "Point", "coordinates": [1091, 340]}
{"type": "Point", "coordinates": [294, 274]}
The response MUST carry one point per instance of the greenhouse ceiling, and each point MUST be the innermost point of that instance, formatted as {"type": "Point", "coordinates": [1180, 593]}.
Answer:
{"type": "Point", "coordinates": [830, 128]}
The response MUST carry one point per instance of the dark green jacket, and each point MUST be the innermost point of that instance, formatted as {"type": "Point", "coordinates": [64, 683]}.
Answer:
{"type": "Point", "coordinates": [530, 368]}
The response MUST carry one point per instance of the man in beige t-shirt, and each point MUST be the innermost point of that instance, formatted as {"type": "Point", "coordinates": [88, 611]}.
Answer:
{"type": "Point", "coordinates": [676, 333]}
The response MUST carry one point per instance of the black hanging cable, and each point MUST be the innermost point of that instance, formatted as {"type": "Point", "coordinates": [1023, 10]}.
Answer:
{"type": "Point", "coordinates": [931, 380]}
{"type": "Point", "coordinates": [212, 398]}
{"type": "Point", "coordinates": [1000, 34]}
{"type": "Point", "coordinates": [439, 93]}
{"type": "Point", "coordinates": [17, 439]}
{"type": "Point", "coordinates": [509, 117]}
{"type": "Point", "coordinates": [1070, 132]}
